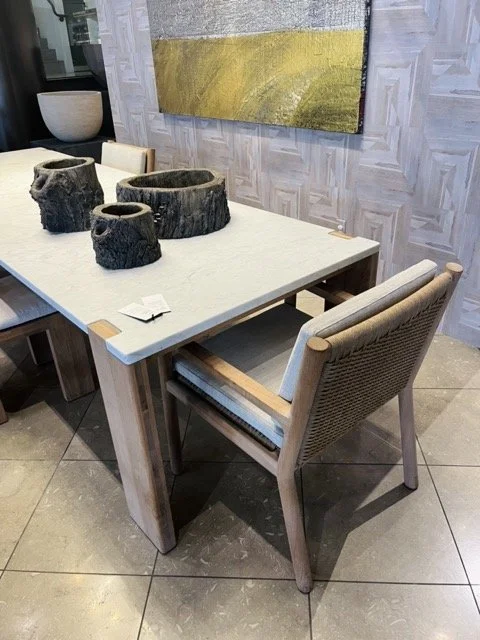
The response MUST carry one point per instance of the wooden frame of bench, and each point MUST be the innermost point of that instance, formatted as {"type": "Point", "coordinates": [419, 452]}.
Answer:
{"type": "Point", "coordinates": [69, 349]}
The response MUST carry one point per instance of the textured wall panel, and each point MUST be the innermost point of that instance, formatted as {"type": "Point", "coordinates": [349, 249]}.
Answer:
{"type": "Point", "coordinates": [412, 181]}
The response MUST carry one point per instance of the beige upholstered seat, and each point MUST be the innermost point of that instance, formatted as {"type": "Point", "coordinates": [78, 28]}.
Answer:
{"type": "Point", "coordinates": [127, 157]}
{"type": "Point", "coordinates": [341, 367]}
{"type": "Point", "coordinates": [18, 304]}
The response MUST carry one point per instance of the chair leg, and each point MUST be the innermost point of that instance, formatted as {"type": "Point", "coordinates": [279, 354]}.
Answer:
{"type": "Point", "coordinates": [172, 427]}
{"type": "Point", "coordinates": [292, 514]}
{"type": "Point", "coordinates": [409, 445]}
{"type": "Point", "coordinates": [3, 414]}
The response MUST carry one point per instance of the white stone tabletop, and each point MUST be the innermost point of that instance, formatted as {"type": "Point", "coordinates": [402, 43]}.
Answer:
{"type": "Point", "coordinates": [207, 280]}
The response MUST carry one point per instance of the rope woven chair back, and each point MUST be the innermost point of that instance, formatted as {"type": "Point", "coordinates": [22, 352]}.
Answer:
{"type": "Point", "coordinates": [370, 364]}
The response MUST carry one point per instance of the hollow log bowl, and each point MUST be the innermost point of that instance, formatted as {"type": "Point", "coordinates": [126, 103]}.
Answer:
{"type": "Point", "coordinates": [66, 191]}
{"type": "Point", "coordinates": [124, 235]}
{"type": "Point", "coordinates": [185, 202]}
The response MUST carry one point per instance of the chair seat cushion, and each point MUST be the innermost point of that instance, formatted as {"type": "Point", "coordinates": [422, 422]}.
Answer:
{"type": "Point", "coordinates": [260, 347]}
{"type": "Point", "coordinates": [18, 304]}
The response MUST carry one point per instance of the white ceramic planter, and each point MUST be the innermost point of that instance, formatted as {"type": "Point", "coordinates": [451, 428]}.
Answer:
{"type": "Point", "coordinates": [72, 116]}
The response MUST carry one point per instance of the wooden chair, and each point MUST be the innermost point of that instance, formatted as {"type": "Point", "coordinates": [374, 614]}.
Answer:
{"type": "Point", "coordinates": [127, 157]}
{"type": "Point", "coordinates": [24, 314]}
{"type": "Point", "coordinates": [283, 389]}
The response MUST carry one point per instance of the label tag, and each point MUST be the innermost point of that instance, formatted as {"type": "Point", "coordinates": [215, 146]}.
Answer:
{"type": "Point", "coordinates": [153, 306]}
{"type": "Point", "coordinates": [156, 303]}
{"type": "Point", "coordinates": [138, 311]}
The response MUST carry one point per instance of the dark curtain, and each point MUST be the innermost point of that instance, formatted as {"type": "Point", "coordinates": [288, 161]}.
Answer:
{"type": "Point", "coordinates": [20, 74]}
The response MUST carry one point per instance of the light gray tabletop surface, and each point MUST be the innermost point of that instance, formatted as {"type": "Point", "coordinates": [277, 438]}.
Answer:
{"type": "Point", "coordinates": [208, 280]}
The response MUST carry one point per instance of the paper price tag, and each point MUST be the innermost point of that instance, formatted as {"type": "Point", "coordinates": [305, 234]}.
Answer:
{"type": "Point", "coordinates": [156, 303]}
{"type": "Point", "coordinates": [153, 306]}
{"type": "Point", "coordinates": [138, 311]}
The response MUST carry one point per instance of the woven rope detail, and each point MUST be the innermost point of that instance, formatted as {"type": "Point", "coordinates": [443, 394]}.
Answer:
{"type": "Point", "coordinates": [363, 378]}
{"type": "Point", "coordinates": [241, 424]}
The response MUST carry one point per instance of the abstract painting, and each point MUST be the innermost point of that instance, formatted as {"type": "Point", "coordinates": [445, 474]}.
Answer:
{"type": "Point", "coordinates": [297, 63]}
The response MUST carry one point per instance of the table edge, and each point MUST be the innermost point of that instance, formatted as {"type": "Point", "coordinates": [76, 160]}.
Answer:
{"type": "Point", "coordinates": [176, 341]}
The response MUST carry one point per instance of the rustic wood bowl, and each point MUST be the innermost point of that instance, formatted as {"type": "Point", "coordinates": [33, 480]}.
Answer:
{"type": "Point", "coordinates": [185, 202]}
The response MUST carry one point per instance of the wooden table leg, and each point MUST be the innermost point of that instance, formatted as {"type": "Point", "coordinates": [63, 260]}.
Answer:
{"type": "Point", "coordinates": [69, 349]}
{"type": "Point", "coordinates": [131, 417]}
{"type": "Point", "coordinates": [359, 277]}
{"type": "Point", "coordinates": [362, 275]}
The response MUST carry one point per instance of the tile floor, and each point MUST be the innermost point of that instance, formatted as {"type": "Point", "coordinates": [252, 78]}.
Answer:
{"type": "Point", "coordinates": [389, 563]}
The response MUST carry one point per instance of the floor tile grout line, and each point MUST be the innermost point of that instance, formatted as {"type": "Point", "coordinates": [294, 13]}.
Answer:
{"type": "Point", "coordinates": [477, 602]}
{"type": "Point", "coordinates": [238, 578]}
{"type": "Point", "coordinates": [86, 573]}
{"type": "Point", "coordinates": [446, 389]}
{"type": "Point", "coordinates": [460, 466]}
{"type": "Point", "coordinates": [41, 496]}
{"type": "Point", "coordinates": [147, 596]}
{"type": "Point", "coordinates": [31, 515]}
{"type": "Point", "coordinates": [187, 425]}
{"type": "Point", "coordinates": [447, 520]}
{"type": "Point", "coordinates": [78, 427]}
{"type": "Point", "coordinates": [94, 395]}
{"type": "Point", "coordinates": [369, 464]}
{"type": "Point", "coordinates": [63, 459]}
{"type": "Point", "coordinates": [310, 622]}
{"type": "Point", "coordinates": [252, 461]}
{"type": "Point", "coordinates": [17, 368]}
{"type": "Point", "coordinates": [114, 460]}
{"type": "Point", "coordinates": [166, 460]}
{"type": "Point", "coordinates": [346, 464]}
{"type": "Point", "coordinates": [82, 417]}
{"type": "Point", "coordinates": [410, 584]}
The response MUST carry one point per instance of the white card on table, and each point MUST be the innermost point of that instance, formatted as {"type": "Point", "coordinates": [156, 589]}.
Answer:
{"type": "Point", "coordinates": [156, 303]}
{"type": "Point", "coordinates": [138, 311]}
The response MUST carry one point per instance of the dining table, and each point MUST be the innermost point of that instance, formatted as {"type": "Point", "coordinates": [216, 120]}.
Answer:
{"type": "Point", "coordinates": [209, 282]}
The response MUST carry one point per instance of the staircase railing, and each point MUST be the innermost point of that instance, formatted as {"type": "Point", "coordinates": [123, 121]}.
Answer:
{"type": "Point", "coordinates": [60, 16]}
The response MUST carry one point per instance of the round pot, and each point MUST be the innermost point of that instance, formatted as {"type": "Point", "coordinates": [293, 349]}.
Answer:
{"type": "Point", "coordinates": [66, 191]}
{"type": "Point", "coordinates": [124, 236]}
{"type": "Point", "coordinates": [72, 116]}
{"type": "Point", "coordinates": [185, 202]}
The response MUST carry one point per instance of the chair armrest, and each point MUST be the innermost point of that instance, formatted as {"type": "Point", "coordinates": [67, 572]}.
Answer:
{"type": "Point", "coordinates": [227, 374]}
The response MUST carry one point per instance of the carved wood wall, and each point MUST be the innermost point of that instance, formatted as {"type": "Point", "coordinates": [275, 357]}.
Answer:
{"type": "Point", "coordinates": [412, 181]}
